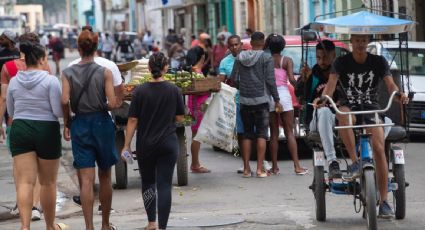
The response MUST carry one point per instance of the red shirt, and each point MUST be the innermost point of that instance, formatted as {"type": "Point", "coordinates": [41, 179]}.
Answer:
{"type": "Point", "coordinates": [219, 52]}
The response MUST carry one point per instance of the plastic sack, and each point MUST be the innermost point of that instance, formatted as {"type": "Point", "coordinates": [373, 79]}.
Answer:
{"type": "Point", "coordinates": [217, 128]}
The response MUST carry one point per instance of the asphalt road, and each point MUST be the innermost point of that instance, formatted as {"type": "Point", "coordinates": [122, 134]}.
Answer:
{"type": "Point", "coordinates": [223, 199]}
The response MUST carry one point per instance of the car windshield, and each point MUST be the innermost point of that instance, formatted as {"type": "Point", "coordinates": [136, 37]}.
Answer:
{"type": "Point", "coordinates": [416, 60]}
{"type": "Point", "coordinates": [294, 52]}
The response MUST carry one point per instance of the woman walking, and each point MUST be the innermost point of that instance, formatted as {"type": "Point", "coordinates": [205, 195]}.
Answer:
{"type": "Point", "coordinates": [88, 89]}
{"type": "Point", "coordinates": [33, 100]}
{"type": "Point", "coordinates": [283, 73]}
{"type": "Point", "coordinates": [154, 109]}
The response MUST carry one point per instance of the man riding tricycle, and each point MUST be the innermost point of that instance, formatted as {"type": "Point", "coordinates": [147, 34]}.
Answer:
{"type": "Point", "coordinates": [356, 111]}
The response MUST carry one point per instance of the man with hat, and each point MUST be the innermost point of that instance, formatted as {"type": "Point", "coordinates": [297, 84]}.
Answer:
{"type": "Point", "coordinates": [8, 51]}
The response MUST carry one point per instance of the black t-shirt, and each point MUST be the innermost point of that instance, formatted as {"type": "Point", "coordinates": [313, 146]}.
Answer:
{"type": "Point", "coordinates": [155, 105]}
{"type": "Point", "coordinates": [361, 79]}
{"type": "Point", "coordinates": [7, 55]}
{"type": "Point", "coordinates": [125, 46]}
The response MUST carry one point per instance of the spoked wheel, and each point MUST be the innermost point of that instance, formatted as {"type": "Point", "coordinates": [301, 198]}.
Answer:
{"type": "Point", "coordinates": [400, 193]}
{"type": "Point", "coordinates": [121, 178]}
{"type": "Point", "coordinates": [319, 193]}
{"type": "Point", "coordinates": [182, 169]}
{"type": "Point", "coordinates": [370, 197]}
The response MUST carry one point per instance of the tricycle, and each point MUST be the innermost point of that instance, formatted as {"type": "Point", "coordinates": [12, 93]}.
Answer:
{"type": "Point", "coordinates": [364, 187]}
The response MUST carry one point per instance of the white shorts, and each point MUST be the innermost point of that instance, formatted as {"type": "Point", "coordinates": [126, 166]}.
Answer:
{"type": "Point", "coordinates": [285, 99]}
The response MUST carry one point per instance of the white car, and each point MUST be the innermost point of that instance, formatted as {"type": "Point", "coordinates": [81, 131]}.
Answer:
{"type": "Point", "coordinates": [416, 68]}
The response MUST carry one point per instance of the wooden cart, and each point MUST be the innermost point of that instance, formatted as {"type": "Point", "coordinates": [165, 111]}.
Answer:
{"type": "Point", "coordinates": [198, 87]}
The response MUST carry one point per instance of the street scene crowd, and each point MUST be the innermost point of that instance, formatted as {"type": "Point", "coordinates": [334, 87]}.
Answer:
{"type": "Point", "coordinates": [36, 98]}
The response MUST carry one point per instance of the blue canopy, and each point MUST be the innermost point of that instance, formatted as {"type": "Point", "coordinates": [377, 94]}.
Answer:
{"type": "Point", "coordinates": [363, 22]}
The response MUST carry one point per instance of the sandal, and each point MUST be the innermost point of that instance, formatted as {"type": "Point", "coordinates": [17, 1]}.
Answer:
{"type": "Point", "coordinates": [262, 175]}
{"type": "Point", "coordinates": [62, 226]}
{"type": "Point", "coordinates": [274, 171]}
{"type": "Point", "coordinates": [247, 175]}
{"type": "Point", "coordinates": [305, 171]}
{"type": "Point", "coordinates": [200, 169]}
{"type": "Point", "coordinates": [147, 228]}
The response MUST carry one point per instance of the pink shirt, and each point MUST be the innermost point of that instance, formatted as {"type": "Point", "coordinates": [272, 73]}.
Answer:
{"type": "Point", "coordinates": [281, 75]}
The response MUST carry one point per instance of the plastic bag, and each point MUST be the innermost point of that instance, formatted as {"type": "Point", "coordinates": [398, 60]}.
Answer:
{"type": "Point", "coordinates": [217, 127]}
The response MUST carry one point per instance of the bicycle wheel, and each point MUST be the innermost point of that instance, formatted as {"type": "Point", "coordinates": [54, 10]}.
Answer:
{"type": "Point", "coordinates": [121, 177]}
{"type": "Point", "coordinates": [319, 193]}
{"type": "Point", "coordinates": [400, 193]}
{"type": "Point", "coordinates": [370, 198]}
{"type": "Point", "coordinates": [182, 168]}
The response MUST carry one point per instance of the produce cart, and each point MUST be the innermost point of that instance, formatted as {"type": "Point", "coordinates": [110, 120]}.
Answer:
{"type": "Point", "coordinates": [190, 84]}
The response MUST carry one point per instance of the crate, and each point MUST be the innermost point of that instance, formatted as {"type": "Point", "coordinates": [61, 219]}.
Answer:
{"type": "Point", "coordinates": [206, 84]}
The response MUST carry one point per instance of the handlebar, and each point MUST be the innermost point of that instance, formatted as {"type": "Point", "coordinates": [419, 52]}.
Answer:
{"type": "Point", "coordinates": [325, 98]}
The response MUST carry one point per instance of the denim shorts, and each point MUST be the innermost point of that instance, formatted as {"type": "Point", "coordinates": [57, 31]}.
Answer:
{"type": "Point", "coordinates": [239, 123]}
{"type": "Point", "coordinates": [255, 120]}
{"type": "Point", "coordinates": [93, 141]}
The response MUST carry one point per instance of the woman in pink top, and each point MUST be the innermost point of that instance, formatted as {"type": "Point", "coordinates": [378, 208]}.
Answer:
{"type": "Point", "coordinates": [195, 60]}
{"type": "Point", "coordinates": [283, 73]}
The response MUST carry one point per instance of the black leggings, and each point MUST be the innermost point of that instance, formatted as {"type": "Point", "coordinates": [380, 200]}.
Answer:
{"type": "Point", "coordinates": [157, 168]}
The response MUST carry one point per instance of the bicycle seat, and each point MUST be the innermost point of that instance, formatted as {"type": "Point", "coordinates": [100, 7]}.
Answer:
{"type": "Point", "coordinates": [396, 133]}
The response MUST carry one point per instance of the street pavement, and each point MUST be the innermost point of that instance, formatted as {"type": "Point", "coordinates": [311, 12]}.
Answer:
{"type": "Point", "coordinates": [223, 199]}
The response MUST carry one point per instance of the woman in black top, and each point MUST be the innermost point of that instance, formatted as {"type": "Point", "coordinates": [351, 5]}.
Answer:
{"type": "Point", "coordinates": [155, 107]}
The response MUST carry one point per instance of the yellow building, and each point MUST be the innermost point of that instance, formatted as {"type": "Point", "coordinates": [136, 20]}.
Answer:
{"type": "Point", "coordinates": [33, 14]}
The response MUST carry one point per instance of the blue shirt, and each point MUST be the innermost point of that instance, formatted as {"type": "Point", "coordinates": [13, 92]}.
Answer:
{"type": "Point", "coordinates": [226, 65]}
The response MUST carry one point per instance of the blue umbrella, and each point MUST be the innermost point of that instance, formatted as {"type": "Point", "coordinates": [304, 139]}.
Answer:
{"type": "Point", "coordinates": [363, 22]}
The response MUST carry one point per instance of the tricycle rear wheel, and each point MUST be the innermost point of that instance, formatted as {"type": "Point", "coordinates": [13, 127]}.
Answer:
{"type": "Point", "coordinates": [182, 168]}
{"type": "Point", "coordinates": [121, 178]}
{"type": "Point", "coordinates": [319, 193]}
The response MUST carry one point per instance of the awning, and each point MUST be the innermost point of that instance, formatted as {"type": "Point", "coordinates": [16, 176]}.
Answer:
{"type": "Point", "coordinates": [363, 22]}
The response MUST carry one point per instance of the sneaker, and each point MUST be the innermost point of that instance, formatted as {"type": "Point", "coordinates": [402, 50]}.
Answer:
{"type": "Point", "coordinates": [385, 210]}
{"type": "Point", "coordinates": [266, 166]}
{"type": "Point", "coordinates": [35, 214]}
{"type": "Point", "coordinates": [76, 200]}
{"type": "Point", "coordinates": [15, 210]}
{"type": "Point", "coordinates": [355, 170]}
{"type": "Point", "coordinates": [99, 210]}
{"type": "Point", "coordinates": [334, 170]}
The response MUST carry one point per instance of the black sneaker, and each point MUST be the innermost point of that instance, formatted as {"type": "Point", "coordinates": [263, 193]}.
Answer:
{"type": "Point", "coordinates": [77, 200]}
{"type": "Point", "coordinates": [99, 210]}
{"type": "Point", "coordinates": [334, 171]}
{"type": "Point", "coordinates": [385, 210]}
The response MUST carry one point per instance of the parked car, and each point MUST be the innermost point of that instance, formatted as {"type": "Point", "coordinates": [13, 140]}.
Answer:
{"type": "Point", "coordinates": [293, 49]}
{"type": "Point", "coordinates": [416, 67]}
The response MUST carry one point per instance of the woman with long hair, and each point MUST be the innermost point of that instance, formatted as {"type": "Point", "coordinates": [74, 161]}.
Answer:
{"type": "Point", "coordinates": [284, 75]}
{"type": "Point", "coordinates": [88, 89]}
{"type": "Point", "coordinates": [155, 107]}
{"type": "Point", "coordinates": [194, 62]}
{"type": "Point", "coordinates": [33, 100]}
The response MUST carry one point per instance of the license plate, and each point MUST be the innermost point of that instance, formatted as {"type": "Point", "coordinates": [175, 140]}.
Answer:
{"type": "Point", "coordinates": [422, 114]}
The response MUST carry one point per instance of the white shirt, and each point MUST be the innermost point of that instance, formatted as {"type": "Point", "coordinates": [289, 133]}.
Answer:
{"type": "Point", "coordinates": [116, 74]}
{"type": "Point", "coordinates": [108, 45]}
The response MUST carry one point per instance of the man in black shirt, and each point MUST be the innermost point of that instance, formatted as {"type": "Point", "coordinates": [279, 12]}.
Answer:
{"type": "Point", "coordinates": [124, 45]}
{"type": "Point", "coordinates": [8, 51]}
{"type": "Point", "coordinates": [360, 72]}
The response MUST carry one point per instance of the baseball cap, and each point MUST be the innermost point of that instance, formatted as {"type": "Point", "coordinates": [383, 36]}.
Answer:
{"type": "Point", "coordinates": [10, 35]}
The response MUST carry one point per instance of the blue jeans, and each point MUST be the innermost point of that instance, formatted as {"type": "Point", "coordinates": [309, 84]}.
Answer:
{"type": "Point", "coordinates": [323, 122]}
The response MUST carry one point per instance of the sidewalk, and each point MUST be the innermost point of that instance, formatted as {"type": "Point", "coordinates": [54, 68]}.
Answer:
{"type": "Point", "coordinates": [66, 186]}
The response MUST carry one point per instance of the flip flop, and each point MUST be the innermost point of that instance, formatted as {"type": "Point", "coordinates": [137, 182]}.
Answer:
{"type": "Point", "coordinates": [247, 175]}
{"type": "Point", "coordinates": [200, 169]}
{"type": "Point", "coordinates": [303, 172]}
{"type": "Point", "coordinates": [262, 175]}
{"type": "Point", "coordinates": [62, 226]}
{"type": "Point", "coordinates": [274, 172]}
